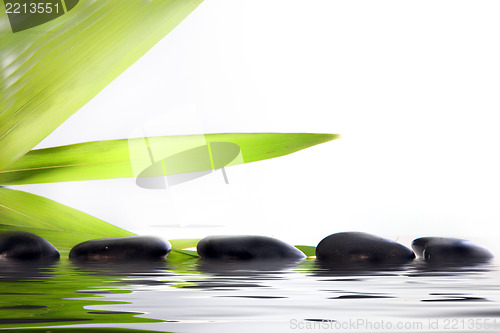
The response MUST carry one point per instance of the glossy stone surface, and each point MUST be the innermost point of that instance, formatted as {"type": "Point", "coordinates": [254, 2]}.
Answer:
{"type": "Point", "coordinates": [360, 247]}
{"type": "Point", "coordinates": [22, 245]}
{"type": "Point", "coordinates": [246, 248]}
{"type": "Point", "coordinates": [445, 249]}
{"type": "Point", "coordinates": [122, 248]}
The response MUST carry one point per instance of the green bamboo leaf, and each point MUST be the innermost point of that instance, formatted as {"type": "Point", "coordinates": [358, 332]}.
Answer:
{"type": "Point", "coordinates": [308, 250]}
{"type": "Point", "coordinates": [61, 225]}
{"type": "Point", "coordinates": [181, 244]}
{"type": "Point", "coordinates": [49, 71]}
{"type": "Point", "coordinates": [147, 158]}
{"type": "Point", "coordinates": [179, 251]}
{"type": "Point", "coordinates": [64, 226]}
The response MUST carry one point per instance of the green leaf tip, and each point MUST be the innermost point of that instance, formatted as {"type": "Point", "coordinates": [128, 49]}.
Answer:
{"type": "Point", "coordinates": [308, 250]}
{"type": "Point", "coordinates": [161, 156]}
{"type": "Point", "coordinates": [271, 145]}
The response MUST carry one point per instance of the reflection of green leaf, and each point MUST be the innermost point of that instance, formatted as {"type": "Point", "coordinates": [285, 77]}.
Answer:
{"type": "Point", "coordinates": [306, 265]}
{"type": "Point", "coordinates": [61, 225]}
{"type": "Point", "coordinates": [64, 294]}
{"type": "Point", "coordinates": [50, 71]}
{"type": "Point", "coordinates": [171, 155]}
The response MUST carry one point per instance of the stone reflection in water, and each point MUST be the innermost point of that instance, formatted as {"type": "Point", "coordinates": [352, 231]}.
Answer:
{"type": "Point", "coordinates": [197, 295]}
{"type": "Point", "coordinates": [22, 271]}
{"type": "Point", "coordinates": [121, 268]}
{"type": "Point", "coordinates": [425, 268]}
{"type": "Point", "coordinates": [152, 273]}
{"type": "Point", "coordinates": [416, 268]}
{"type": "Point", "coordinates": [19, 291]}
{"type": "Point", "coordinates": [248, 268]}
{"type": "Point", "coordinates": [359, 269]}
{"type": "Point", "coordinates": [235, 274]}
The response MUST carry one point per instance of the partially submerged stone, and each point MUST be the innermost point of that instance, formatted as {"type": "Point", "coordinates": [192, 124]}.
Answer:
{"type": "Point", "coordinates": [446, 249]}
{"type": "Point", "coordinates": [122, 248]}
{"type": "Point", "coordinates": [361, 247]}
{"type": "Point", "coordinates": [246, 248]}
{"type": "Point", "coordinates": [22, 245]}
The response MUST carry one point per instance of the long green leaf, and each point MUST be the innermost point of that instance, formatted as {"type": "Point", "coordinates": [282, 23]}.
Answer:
{"type": "Point", "coordinates": [50, 71]}
{"type": "Point", "coordinates": [308, 250]}
{"type": "Point", "coordinates": [179, 247]}
{"type": "Point", "coordinates": [154, 156]}
{"type": "Point", "coordinates": [61, 225]}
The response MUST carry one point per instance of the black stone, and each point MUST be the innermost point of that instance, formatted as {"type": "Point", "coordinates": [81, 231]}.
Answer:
{"type": "Point", "coordinates": [360, 247]}
{"type": "Point", "coordinates": [445, 249]}
{"type": "Point", "coordinates": [121, 248]}
{"type": "Point", "coordinates": [246, 248]}
{"type": "Point", "coordinates": [22, 245]}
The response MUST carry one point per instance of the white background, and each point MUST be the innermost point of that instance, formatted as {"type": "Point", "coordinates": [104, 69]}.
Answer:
{"type": "Point", "coordinates": [412, 86]}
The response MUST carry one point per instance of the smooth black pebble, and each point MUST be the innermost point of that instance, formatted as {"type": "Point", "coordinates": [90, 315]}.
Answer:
{"type": "Point", "coordinates": [246, 248]}
{"type": "Point", "coordinates": [361, 247]}
{"type": "Point", "coordinates": [22, 245]}
{"type": "Point", "coordinates": [122, 248]}
{"type": "Point", "coordinates": [445, 249]}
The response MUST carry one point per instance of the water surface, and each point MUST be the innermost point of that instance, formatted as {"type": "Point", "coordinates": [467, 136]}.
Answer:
{"type": "Point", "coordinates": [196, 296]}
